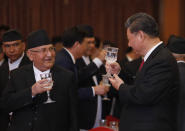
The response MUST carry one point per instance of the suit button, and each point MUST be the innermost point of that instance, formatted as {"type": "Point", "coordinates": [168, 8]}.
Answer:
{"type": "Point", "coordinates": [29, 124]}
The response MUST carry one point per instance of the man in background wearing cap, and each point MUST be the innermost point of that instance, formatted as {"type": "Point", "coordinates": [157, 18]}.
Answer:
{"type": "Point", "coordinates": [13, 47]}
{"type": "Point", "coordinates": [177, 46]}
{"type": "Point", "coordinates": [26, 93]}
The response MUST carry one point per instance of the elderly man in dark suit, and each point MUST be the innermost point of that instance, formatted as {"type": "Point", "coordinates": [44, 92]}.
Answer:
{"type": "Point", "coordinates": [26, 94]}
{"type": "Point", "coordinates": [13, 47]}
{"type": "Point", "coordinates": [150, 103]}
{"type": "Point", "coordinates": [177, 46]}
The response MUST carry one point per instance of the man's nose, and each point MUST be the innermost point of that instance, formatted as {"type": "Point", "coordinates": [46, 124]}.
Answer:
{"type": "Point", "coordinates": [12, 48]}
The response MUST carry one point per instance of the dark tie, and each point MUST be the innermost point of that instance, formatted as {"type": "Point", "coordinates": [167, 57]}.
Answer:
{"type": "Point", "coordinates": [141, 65]}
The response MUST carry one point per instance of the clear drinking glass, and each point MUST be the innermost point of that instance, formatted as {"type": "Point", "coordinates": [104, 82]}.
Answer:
{"type": "Point", "coordinates": [105, 81]}
{"type": "Point", "coordinates": [48, 76]}
{"type": "Point", "coordinates": [111, 57]}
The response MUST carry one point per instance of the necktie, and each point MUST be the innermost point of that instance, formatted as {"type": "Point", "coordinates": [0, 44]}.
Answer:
{"type": "Point", "coordinates": [141, 65]}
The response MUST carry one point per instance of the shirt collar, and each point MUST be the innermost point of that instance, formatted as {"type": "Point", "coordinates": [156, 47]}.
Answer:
{"type": "Point", "coordinates": [72, 57]}
{"type": "Point", "coordinates": [151, 50]}
{"type": "Point", "coordinates": [37, 73]}
{"type": "Point", "coordinates": [180, 61]}
{"type": "Point", "coordinates": [86, 59]}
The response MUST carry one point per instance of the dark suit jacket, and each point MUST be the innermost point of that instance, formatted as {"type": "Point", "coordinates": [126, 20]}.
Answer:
{"type": "Point", "coordinates": [88, 107]}
{"type": "Point", "coordinates": [181, 101]}
{"type": "Point", "coordinates": [31, 114]}
{"type": "Point", "coordinates": [129, 70]}
{"type": "Point", "coordinates": [128, 74]}
{"type": "Point", "coordinates": [63, 59]}
{"type": "Point", "coordinates": [149, 104]}
{"type": "Point", "coordinates": [4, 77]}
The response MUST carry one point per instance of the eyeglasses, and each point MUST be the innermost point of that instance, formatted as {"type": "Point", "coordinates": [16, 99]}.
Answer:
{"type": "Point", "coordinates": [44, 50]}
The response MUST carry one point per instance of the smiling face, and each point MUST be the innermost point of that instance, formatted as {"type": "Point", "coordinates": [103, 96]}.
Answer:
{"type": "Point", "coordinates": [90, 45]}
{"type": "Point", "coordinates": [43, 57]}
{"type": "Point", "coordinates": [13, 49]}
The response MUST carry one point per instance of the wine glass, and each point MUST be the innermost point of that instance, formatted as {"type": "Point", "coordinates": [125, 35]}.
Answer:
{"type": "Point", "coordinates": [111, 57]}
{"type": "Point", "coordinates": [48, 76]}
{"type": "Point", "coordinates": [105, 81]}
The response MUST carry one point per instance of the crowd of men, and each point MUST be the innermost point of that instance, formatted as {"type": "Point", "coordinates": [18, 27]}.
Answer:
{"type": "Point", "coordinates": [147, 84]}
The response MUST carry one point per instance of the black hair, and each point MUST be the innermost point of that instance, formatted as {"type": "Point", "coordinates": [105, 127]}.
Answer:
{"type": "Point", "coordinates": [143, 22]}
{"type": "Point", "coordinates": [72, 35]}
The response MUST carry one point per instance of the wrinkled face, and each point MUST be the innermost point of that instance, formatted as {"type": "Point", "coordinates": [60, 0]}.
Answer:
{"type": "Point", "coordinates": [43, 57]}
{"type": "Point", "coordinates": [13, 49]}
{"type": "Point", "coordinates": [90, 45]}
{"type": "Point", "coordinates": [134, 41]}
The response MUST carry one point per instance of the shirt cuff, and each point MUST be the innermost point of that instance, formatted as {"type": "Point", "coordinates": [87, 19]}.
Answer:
{"type": "Point", "coordinates": [93, 91]}
{"type": "Point", "coordinates": [98, 62]}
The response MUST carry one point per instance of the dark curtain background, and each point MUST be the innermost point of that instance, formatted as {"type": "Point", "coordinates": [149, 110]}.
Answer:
{"type": "Point", "coordinates": [105, 16]}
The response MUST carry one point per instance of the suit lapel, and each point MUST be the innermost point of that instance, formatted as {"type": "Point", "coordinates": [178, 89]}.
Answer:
{"type": "Point", "coordinates": [40, 98]}
{"type": "Point", "coordinates": [30, 73]}
{"type": "Point", "coordinates": [152, 55]}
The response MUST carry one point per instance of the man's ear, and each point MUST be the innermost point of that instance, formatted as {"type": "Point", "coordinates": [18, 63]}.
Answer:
{"type": "Point", "coordinates": [140, 35]}
{"type": "Point", "coordinates": [29, 54]}
{"type": "Point", "coordinates": [76, 44]}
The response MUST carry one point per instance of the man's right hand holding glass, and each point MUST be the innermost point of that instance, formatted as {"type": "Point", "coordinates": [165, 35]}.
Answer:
{"type": "Point", "coordinates": [40, 87]}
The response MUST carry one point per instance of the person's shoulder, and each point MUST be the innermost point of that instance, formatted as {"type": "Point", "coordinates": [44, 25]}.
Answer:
{"type": "Point", "coordinates": [22, 69]}
{"type": "Point", "coordinates": [62, 70]}
{"type": "Point", "coordinates": [166, 54]}
{"type": "Point", "coordinates": [4, 65]}
{"type": "Point", "coordinates": [61, 56]}
{"type": "Point", "coordinates": [26, 60]}
{"type": "Point", "coordinates": [61, 53]}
